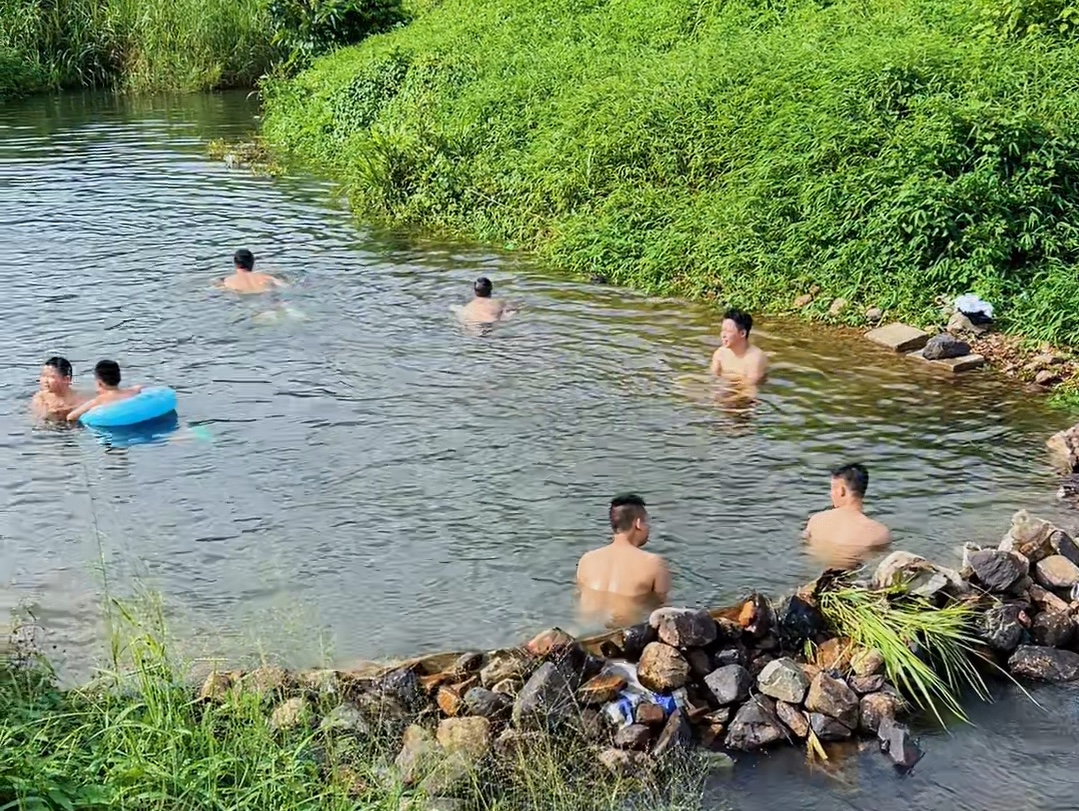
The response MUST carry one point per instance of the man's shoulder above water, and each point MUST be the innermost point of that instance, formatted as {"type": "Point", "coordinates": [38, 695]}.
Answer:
{"type": "Point", "coordinates": [839, 525]}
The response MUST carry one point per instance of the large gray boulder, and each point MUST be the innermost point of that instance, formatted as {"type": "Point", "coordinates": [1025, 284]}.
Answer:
{"type": "Point", "coordinates": [785, 680]}
{"type": "Point", "coordinates": [755, 726]}
{"type": "Point", "coordinates": [729, 685]}
{"type": "Point", "coordinates": [943, 346]}
{"type": "Point", "coordinates": [996, 570]}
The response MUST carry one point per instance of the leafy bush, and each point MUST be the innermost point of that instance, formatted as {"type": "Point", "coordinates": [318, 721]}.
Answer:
{"type": "Point", "coordinates": [309, 28]}
{"type": "Point", "coordinates": [742, 150]}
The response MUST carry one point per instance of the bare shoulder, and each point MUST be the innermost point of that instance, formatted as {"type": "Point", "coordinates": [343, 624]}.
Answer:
{"type": "Point", "coordinates": [881, 534]}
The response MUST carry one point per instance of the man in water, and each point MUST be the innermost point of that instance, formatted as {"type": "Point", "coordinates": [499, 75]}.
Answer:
{"type": "Point", "coordinates": [107, 377]}
{"type": "Point", "coordinates": [246, 279]}
{"type": "Point", "coordinates": [483, 309]}
{"type": "Point", "coordinates": [621, 580]}
{"type": "Point", "coordinates": [55, 398]}
{"type": "Point", "coordinates": [737, 357]}
{"type": "Point", "coordinates": [845, 534]}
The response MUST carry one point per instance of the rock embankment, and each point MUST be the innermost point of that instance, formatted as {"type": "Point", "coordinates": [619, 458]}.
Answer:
{"type": "Point", "coordinates": [730, 680]}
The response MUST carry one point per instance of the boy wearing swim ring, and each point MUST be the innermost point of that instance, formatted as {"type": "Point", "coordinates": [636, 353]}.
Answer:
{"type": "Point", "coordinates": [56, 397]}
{"type": "Point", "coordinates": [107, 377]}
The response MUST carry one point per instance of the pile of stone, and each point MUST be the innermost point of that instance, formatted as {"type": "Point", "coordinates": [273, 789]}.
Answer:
{"type": "Point", "coordinates": [732, 680]}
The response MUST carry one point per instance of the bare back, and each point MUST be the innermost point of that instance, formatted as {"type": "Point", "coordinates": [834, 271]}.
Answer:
{"type": "Point", "coordinates": [251, 282]}
{"type": "Point", "coordinates": [483, 311]}
{"type": "Point", "coordinates": [847, 528]}
{"type": "Point", "coordinates": [624, 570]}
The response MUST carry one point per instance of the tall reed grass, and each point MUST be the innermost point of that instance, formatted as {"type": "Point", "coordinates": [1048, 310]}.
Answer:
{"type": "Point", "coordinates": [888, 152]}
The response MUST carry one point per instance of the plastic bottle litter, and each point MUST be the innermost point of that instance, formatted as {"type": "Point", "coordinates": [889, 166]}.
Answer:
{"type": "Point", "coordinates": [620, 711]}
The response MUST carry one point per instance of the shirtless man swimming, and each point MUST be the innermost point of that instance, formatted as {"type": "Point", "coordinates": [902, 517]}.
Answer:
{"type": "Point", "coordinates": [107, 377]}
{"type": "Point", "coordinates": [737, 357]}
{"type": "Point", "coordinates": [246, 279]}
{"type": "Point", "coordinates": [845, 534]}
{"type": "Point", "coordinates": [483, 309]}
{"type": "Point", "coordinates": [621, 581]}
{"type": "Point", "coordinates": [55, 398]}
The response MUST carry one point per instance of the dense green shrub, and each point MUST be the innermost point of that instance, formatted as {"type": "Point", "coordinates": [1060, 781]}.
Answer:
{"type": "Point", "coordinates": [308, 28]}
{"type": "Point", "coordinates": [741, 150]}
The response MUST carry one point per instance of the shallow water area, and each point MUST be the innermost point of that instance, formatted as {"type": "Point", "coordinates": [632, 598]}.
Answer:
{"type": "Point", "coordinates": [353, 475]}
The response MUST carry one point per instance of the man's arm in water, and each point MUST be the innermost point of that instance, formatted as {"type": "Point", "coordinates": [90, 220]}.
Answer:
{"type": "Point", "coordinates": [78, 411]}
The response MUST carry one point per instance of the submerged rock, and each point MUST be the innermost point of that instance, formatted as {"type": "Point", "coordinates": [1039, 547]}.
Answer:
{"type": "Point", "coordinates": [1057, 572]}
{"type": "Point", "coordinates": [662, 668]}
{"type": "Point", "coordinates": [547, 699]}
{"type": "Point", "coordinates": [827, 728]}
{"type": "Point", "coordinates": [785, 680]}
{"type": "Point", "coordinates": [729, 685]}
{"type": "Point", "coordinates": [897, 742]}
{"type": "Point", "coordinates": [832, 697]}
{"type": "Point", "coordinates": [755, 725]}
{"type": "Point", "coordinates": [684, 627]}
{"type": "Point", "coordinates": [997, 571]}
{"type": "Point", "coordinates": [1044, 664]}
{"type": "Point", "coordinates": [943, 346]}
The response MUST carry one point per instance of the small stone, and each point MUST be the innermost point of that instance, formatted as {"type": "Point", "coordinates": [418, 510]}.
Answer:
{"type": "Point", "coordinates": [755, 725]}
{"type": "Point", "coordinates": [546, 641]}
{"type": "Point", "coordinates": [634, 736]}
{"type": "Point", "coordinates": [730, 656]}
{"type": "Point", "coordinates": [636, 638]}
{"type": "Point", "coordinates": [783, 679]}
{"type": "Point", "coordinates": [216, 687]}
{"type": "Point", "coordinates": [624, 763]}
{"type": "Point", "coordinates": [1047, 377]}
{"type": "Point", "coordinates": [684, 627]}
{"type": "Point", "coordinates": [676, 737]}
{"type": "Point", "coordinates": [346, 718]}
{"type": "Point", "coordinates": [867, 662]}
{"type": "Point", "coordinates": [827, 728]}
{"type": "Point", "coordinates": [466, 664]}
{"type": "Point", "coordinates": [833, 698]}
{"type": "Point", "coordinates": [402, 685]}
{"type": "Point", "coordinates": [419, 753]}
{"type": "Point", "coordinates": [649, 714]}
{"type": "Point", "coordinates": [803, 301]}
{"type": "Point", "coordinates": [794, 718]}
{"type": "Point", "coordinates": [874, 315]}
{"type": "Point", "coordinates": [866, 684]}
{"type": "Point", "coordinates": [1054, 629]}
{"type": "Point", "coordinates": [874, 708]}
{"type": "Point", "coordinates": [470, 735]}
{"type": "Point", "coordinates": [504, 665]}
{"type": "Point", "coordinates": [1056, 572]}
{"type": "Point", "coordinates": [290, 714]}
{"type": "Point", "coordinates": [662, 668]}
{"type": "Point", "coordinates": [601, 689]}
{"type": "Point", "coordinates": [944, 346]}
{"type": "Point", "coordinates": [897, 742]}
{"type": "Point", "coordinates": [729, 685]}
{"type": "Point", "coordinates": [488, 704]}
{"type": "Point", "coordinates": [837, 308]}
{"type": "Point", "coordinates": [755, 618]}
{"type": "Point", "coordinates": [449, 700]}
{"type": "Point", "coordinates": [997, 571]}
{"type": "Point", "coordinates": [547, 699]}
{"type": "Point", "coordinates": [1044, 664]}
{"type": "Point", "coordinates": [700, 663]}
{"type": "Point", "coordinates": [835, 653]}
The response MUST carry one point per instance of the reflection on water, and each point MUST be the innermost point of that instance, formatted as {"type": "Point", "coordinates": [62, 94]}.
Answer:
{"type": "Point", "coordinates": [371, 474]}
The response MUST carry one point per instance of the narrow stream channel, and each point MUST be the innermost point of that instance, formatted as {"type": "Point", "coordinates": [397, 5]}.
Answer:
{"type": "Point", "coordinates": [355, 476]}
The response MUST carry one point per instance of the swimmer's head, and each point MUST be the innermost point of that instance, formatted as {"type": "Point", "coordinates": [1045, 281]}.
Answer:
{"type": "Point", "coordinates": [56, 375]}
{"type": "Point", "coordinates": [107, 374]}
{"type": "Point", "coordinates": [244, 260]}
{"type": "Point", "coordinates": [849, 483]}
{"type": "Point", "coordinates": [482, 287]}
{"type": "Point", "coordinates": [736, 326]}
{"type": "Point", "coordinates": [629, 518]}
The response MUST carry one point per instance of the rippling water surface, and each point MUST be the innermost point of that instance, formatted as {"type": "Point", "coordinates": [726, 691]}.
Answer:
{"type": "Point", "coordinates": [355, 476]}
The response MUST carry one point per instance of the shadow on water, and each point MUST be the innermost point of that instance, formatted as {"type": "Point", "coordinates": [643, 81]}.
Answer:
{"type": "Point", "coordinates": [379, 477]}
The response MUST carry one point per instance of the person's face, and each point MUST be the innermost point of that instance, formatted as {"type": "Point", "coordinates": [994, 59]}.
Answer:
{"type": "Point", "coordinates": [52, 381]}
{"type": "Point", "coordinates": [731, 336]}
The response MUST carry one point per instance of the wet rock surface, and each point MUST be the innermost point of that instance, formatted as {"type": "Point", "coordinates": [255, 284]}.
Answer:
{"type": "Point", "coordinates": [793, 718]}
{"type": "Point", "coordinates": [683, 627]}
{"type": "Point", "coordinates": [1044, 664]}
{"type": "Point", "coordinates": [1000, 627]}
{"type": "Point", "coordinates": [897, 742]}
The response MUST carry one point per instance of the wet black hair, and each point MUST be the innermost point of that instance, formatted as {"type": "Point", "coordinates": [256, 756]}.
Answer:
{"type": "Point", "coordinates": [482, 287]}
{"type": "Point", "coordinates": [108, 372]}
{"type": "Point", "coordinates": [625, 510]}
{"type": "Point", "coordinates": [855, 476]}
{"type": "Point", "coordinates": [62, 365]}
{"type": "Point", "coordinates": [243, 258]}
{"type": "Point", "coordinates": [741, 319]}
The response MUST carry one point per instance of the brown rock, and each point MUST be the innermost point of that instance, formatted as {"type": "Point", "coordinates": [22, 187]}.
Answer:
{"type": "Point", "coordinates": [1064, 449]}
{"type": "Point", "coordinates": [1047, 377]}
{"type": "Point", "coordinates": [1045, 600]}
{"type": "Point", "coordinates": [465, 665]}
{"type": "Point", "coordinates": [290, 714]}
{"type": "Point", "coordinates": [803, 301]}
{"type": "Point", "coordinates": [874, 708]}
{"type": "Point", "coordinates": [811, 670]}
{"type": "Point", "coordinates": [216, 687]}
{"type": "Point", "coordinates": [1054, 629]}
{"type": "Point", "coordinates": [874, 315]}
{"type": "Point", "coordinates": [625, 763]}
{"type": "Point", "coordinates": [601, 689]}
{"type": "Point", "coordinates": [502, 665]}
{"type": "Point", "coordinates": [470, 735]}
{"type": "Point", "coordinates": [835, 654]}
{"type": "Point", "coordinates": [649, 714]}
{"type": "Point", "coordinates": [755, 725]}
{"type": "Point", "coordinates": [320, 682]}
{"type": "Point", "coordinates": [794, 719]}
{"type": "Point", "coordinates": [545, 641]}
{"type": "Point", "coordinates": [634, 736]}
{"type": "Point", "coordinates": [418, 754]}
{"type": "Point", "coordinates": [1057, 572]}
{"type": "Point", "coordinates": [451, 699]}
{"type": "Point", "coordinates": [755, 618]}
{"type": "Point", "coordinates": [675, 738]}
{"type": "Point", "coordinates": [866, 662]}
{"type": "Point", "coordinates": [867, 684]}
{"type": "Point", "coordinates": [662, 668]}
{"type": "Point", "coordinates": [837, 308]}
{"type": "Point", "coordinates": [509, 687]}
{"type": "Point", "coordinates": [516, 746]}
{"type": "Point", "coordinates": [833, 698]}
{"type": "Point", "coordinates": [593, 725]}
{"type": "Point", "coordinates": [712, 735]}
{"type": "Point", "coordinates": [266, 681]}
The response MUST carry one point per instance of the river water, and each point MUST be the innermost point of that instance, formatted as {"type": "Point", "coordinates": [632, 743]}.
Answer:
{"type": "Point", "coordinates": [354, 476]}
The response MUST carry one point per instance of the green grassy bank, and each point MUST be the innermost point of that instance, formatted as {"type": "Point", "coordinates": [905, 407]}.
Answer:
{"type": "Point", "coordinates": [173, 45]}
{"type": "Point", "coordinates": [883, 151]}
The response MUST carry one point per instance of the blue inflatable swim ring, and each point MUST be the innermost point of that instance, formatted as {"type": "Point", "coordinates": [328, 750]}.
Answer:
{"type": "Point", "coordinates": [148, 404]}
